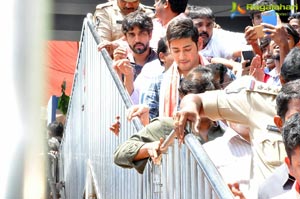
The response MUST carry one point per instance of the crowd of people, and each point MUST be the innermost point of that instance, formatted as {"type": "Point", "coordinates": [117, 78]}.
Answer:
{"type": "Point", "coordinates": [179, 65]}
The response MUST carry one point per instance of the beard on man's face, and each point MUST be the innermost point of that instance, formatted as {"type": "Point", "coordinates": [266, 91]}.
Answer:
{"type": "Point", "coordinates": [139, 50]}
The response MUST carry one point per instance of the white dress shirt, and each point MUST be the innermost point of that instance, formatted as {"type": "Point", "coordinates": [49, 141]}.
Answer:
{"type": "Point", "coordinates": [232, 156]}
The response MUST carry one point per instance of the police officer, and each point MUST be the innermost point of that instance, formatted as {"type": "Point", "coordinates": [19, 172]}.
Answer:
{"type": "Point", "coordinates": [109, 16]}
{"type": "Point", "coordinates": [248, 102]}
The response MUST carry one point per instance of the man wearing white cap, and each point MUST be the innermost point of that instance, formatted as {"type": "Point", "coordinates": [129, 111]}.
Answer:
{"type": "Point", "coordinates": [109, 16]}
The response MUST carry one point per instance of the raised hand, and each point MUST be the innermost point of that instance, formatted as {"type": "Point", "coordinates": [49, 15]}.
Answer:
{"type": "Point", "coordinates": [115, 127]}
{"type": "Point", "coordinates": [257, 68]}
{"type": "Point", "coordinates": [141, 111]}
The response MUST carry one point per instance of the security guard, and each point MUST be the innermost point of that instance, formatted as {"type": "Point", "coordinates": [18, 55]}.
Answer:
{"type": "Point", "coordinates": [109, 16]}
{"type": "Point", "coordinates": [248, 102]}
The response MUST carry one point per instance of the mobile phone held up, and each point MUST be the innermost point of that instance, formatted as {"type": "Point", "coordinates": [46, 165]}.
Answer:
{"type": "Point", "coordinates": [248, 55]}
{"type": "Point", "coordinates": [269, 17]}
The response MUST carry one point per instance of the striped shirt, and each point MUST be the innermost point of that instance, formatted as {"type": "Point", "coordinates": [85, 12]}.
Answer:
{"type": "Point", "coordinates": [152, 97]}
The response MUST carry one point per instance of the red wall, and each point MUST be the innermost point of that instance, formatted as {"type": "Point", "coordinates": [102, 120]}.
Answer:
{"type": "Point", "coordinates": [61, 64]}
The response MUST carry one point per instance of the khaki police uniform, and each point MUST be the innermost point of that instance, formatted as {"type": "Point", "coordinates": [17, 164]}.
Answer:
{"type": "Point", "coordinates": [108, 19]}
{"type": "Point", "coordinates": [251, 103]}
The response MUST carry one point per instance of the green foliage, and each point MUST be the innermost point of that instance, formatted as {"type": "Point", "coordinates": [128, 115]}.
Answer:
{"type": "Point", "coordinates": [63, 101]}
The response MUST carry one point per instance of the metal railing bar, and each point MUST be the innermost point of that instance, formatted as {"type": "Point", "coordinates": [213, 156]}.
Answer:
{"type": "Point", "coordinates": [211, 172]}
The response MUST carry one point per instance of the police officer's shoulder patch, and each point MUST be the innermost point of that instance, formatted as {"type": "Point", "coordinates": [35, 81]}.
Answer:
{"type": "Point", "coordinates": [238, 85]}
{"type": "Point", "coordinates": [104, 5]}
{"type": "Point", "coordinates": [261, 87]}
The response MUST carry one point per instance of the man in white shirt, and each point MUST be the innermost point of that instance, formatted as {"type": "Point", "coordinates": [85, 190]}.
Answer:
{"type": "Point", "coordinates": [216, 42]}
{"type": "Point", "coordinates": [165, 12]}
{"type": "Point", "coordinates": [219, 46]}
{"type": "Point", "coordinates": [232, 156]}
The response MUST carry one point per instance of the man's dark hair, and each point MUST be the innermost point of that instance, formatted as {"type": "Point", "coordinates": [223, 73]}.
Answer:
{"type": "Point", "coordinates": [137, 19]}
{"type": "Point", "coordinates": [182, 28]}
{"type": "Point", "coordinates": [295, 15]}
{"type": "Point", "coordinates": [289, 91]}
{"type": "Point", "coordinates": [264, 43]}
{"type": "Point", "coordinates": [290, 69]}
{"type": "Point", "coordinates": [260, 3]}
{"type": "Point", "coordinates": [291, 31]}
{"type": "Point", "coordinates": [291, 134]}
{"type": "Point", "coordinates": [195, 12]}
{"type": "Point", "coordinates": [177, 6]}
{"type": "Point", "coordinates": [198, 80]}
{"type": "Point", "coordinates": [55, 129]}
{"type": "Point", "coordinates": [162, 47]}
{"type": "Point", "coordinates": [219, 70]}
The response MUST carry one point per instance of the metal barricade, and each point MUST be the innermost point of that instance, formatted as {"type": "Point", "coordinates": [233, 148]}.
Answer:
{"type": "Point", "coordinates": [87, 148]}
